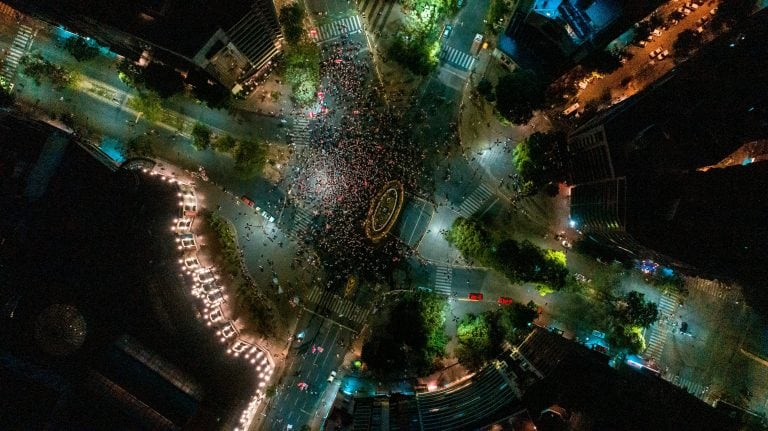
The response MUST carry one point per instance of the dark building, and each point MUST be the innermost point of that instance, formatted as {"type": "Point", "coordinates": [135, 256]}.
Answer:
{"type": "Point", "coordinates": [573, 388]}
{"type": "Point", "coordinates": [96, 327]}
{"type": "Point", "coordinates": [640, 169]}
{"type": "Point", "coordinates": [550, 35]}
{"type": "Point", "coordinates": [230, 39]}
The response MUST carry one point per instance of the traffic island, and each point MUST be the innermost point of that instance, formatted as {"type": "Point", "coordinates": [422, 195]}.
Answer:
{"type": "Point", "coordinates": [384, 211]}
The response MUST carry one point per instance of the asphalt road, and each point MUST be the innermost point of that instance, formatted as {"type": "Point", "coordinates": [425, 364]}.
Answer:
{"type": "Point", "coordinates": [296, 405]}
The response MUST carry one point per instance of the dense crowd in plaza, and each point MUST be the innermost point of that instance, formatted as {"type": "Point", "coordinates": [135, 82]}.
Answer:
{"type": "Point", "coordinates": [357, 145]}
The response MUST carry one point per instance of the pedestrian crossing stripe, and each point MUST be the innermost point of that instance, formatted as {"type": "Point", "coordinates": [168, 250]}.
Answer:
{"type": "Point", "coordinates": [348, 25]}
{"type": "Point", "coordinates": [475, 201]}
{"type": "Point", "coordinates": [457, 58]}
{"type": "Point", "coordinates": [338, 306]}
{"type": "Point", "coordinates": [443, 280]}
{"type": "Point", "coordinates": [21, 43]}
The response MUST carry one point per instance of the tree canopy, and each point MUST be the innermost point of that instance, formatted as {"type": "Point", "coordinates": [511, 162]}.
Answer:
{"type": "Point", "coordinates": [148, 103]}
{"type": "Point", "coordinates": [518, 94]}
{"type": "Point", "coordinates": [201, 136]}
{"type": "Point", "coordinates": [292, 20]}
{"type": "Point", "coordinates": [79, 48]}
{"type": "Point", "coordinates": [537, 160]}
{"type": "Point", "coordinates": [38, 68]}
{"type": "Point", "coordinates": [518, 261]}
{"type": "Point", "coordinates": [411, 339]}
{"type": "Point", "coordinates": [483, 337]}
{"type": "Point", "coordinates": [302, 70]}
{"type": "Point", "coordinates": [250, 157]}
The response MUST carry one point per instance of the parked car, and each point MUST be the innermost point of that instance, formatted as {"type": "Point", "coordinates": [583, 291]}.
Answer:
{"type": "Point", "coordinates": [190, 262]}
{"type": "Point", "coordinates": [503, 300]}
{"type": "Point", "coordinates": [186, 241]}
{"type": "Point", "coordinates": [447, 31]}
{"type": "Point", "coordinates": [475, 296]}
{"type": "Point", "coordinates": [655, 53]}
{"type": "Point", "coordinates": [182, 225]}
{"type": "Point", "coordinates": [247, 201]}
{"type": "Point", "coordinates": [205, 276]}
{"type": "Point", "coordinates": [332, 377]}
{"type": "Point", "coordinates": [663, 55]}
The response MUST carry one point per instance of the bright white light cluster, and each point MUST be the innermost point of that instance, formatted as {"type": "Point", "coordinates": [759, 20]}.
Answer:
{"type": "Point", "coordinates": [205, 286]}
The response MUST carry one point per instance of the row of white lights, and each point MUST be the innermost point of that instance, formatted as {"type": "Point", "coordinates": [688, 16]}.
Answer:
{"type": "Point", "coordinates": [214, 314]}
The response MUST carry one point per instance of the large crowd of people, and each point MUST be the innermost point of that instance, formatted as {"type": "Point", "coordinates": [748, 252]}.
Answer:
{"type": "Point", "coordinates": [356, 146]}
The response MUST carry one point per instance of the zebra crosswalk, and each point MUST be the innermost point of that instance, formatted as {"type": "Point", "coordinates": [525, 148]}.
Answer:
{"type": "Point", "coordinates": [715, 288]}
{"type": "Point", "coordinates": [302, 220]}
{"type": "Point", "coordinates": [457, 58]}
{"type": "Point", "coordinates": [694, 388]}
{"type": "Point", "coordinates": [300, 131]}
{"type": "Point", "coordinates": [338, 28]}
{"type": "Point", "coordinates": [339, 307]}
{"type": "Point", "coordinates": [377, 13]}
{"type": "Point", "coordinates": [21, 44]}
{"type": "Point", "coordinates": [443, 280]}
{"type": "Point", "coordinates": [475, 201]}
{"type": "Point", "coordinates": [657, 334]}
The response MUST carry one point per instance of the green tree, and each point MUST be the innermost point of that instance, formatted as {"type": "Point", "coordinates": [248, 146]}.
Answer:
{"type": "Point", "coordinates": [39, 69]}
{"type": "Point", "coordinates": [163, 80]}
{"type": "Point", "coordinates": [473, 334]}
{"type": "Point", "coordinates": [302, 70]}
{"type": "Point", "coordinates": [636, 311]}
{"type": "Point", "coordinates": [416, 50]}
{"type": "Point", "coordinates": [292, 20]}
{"type": "Point", "coordinates": [518, 94]}
{"type": "Point", "coordinates": [130, 73]}
{"type": "Point", "coordinates": [250, 157]}
{"type": "Point", "coordinates": [485, 88]}
{"type": "Point", "coordinates": [140, 146]}
{"type": "Point", "coordinates": [201, 136]}
{"type": "Point", "coordinates": [410, 339]}
{"type": "Point", "coordinates": [497, 12]}
{"type": "Point", "coordinates": [148, 103]}
{"type": "Point", "coordinates": [225, 144]}
{"type": "Point", "coordinates": [79, 48]}
{"type": "Point", "coordinates": [629, 338]}
{"type": "Point", "coordinates": [537, 159]}
{"type": "Point", "coordinates": [471, 240]}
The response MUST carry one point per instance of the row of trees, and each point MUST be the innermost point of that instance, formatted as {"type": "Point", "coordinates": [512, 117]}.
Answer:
{"type": "Point", "coordinates": [411, 339]}
{"type": "Point", "coordinates": [166, 82]}
{"type": "Point", "coordinates": [482, 337]}
{"type": "Point", "coordinates": [602, 305]}
{"type": "Point", "coordinates": [259, 311]}
{"type": "Point", "coordinates": [249, 156]}
{"type": "Point", "coordinates": [40, 69]}
{"type": "Point", "coordinates": [301, 67]}
{"type": "Point", "coordinates": [518, 261]}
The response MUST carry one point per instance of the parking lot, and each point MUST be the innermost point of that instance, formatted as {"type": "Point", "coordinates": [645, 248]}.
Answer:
{"type": "Point", "coordinates": [641, 67]}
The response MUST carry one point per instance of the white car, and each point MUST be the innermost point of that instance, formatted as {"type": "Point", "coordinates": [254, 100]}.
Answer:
{"type": "Point", "coordinates": [227, 330]}
{"type": "Point", "coordinates": [209, 288]}
{"type": "Point", "coordinates": [655, 53]}
{"type": "Point", "coordinates": [205, 276]}
{"type": "Point", "coordinates": [332, 377]}
{"type": "Point", "coordinates": [182, 225]}
{"type": "Point", "coordinates": [216, 315]}
{"type": "Point", "coordinates": [663, 55]}
{"type": "Point", "coordinates": [187, 241]}
{"type": "Point", "coordinates": [190, 262]}
{"type": "Point", "coordinates": [214, 298]}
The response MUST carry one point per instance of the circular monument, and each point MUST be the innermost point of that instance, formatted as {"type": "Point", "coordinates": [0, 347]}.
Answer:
{"type": "Point", "coordinates": [384, 210]}
{"type": "Point", "coordinates": [60, 329]}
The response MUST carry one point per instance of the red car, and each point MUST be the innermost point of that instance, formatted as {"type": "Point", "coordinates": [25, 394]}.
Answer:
{"type": "Point", "coordinates": [475, 296]}
{"type": "Point", "coordinates": [247, 201]}
{"type": "Point", "coordinates": [503, 300]}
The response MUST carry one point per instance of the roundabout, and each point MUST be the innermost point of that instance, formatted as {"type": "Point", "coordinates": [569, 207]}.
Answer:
{"type": "Point", "coordinates": [384, 211]}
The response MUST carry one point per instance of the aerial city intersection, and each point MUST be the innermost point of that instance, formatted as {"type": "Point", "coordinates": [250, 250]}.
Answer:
{"type": "Point", "coordinates": [383, 215]}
